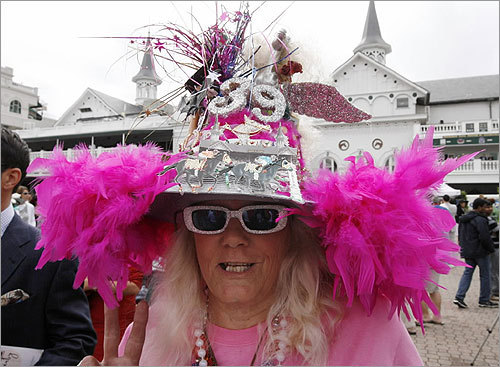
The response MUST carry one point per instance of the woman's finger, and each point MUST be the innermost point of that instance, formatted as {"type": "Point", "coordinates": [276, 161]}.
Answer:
{"type": "Point", "coordinates": [111, 332]}
{"type": "Point", "coordinates": [89, 361]}
{"type": "Point", "coordinates": [135, 342]}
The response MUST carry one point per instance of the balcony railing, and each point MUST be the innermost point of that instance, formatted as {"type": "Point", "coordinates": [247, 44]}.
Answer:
{"type": "Point", "coordinates": [463, 127]}
{"type": "Point", "coordinates": [69, 153]}
{"type": "Point", "coordinates": [477, 166]}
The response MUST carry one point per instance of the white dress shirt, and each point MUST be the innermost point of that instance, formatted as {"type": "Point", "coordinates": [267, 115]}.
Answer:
{"type": "Point", "coordinates": [7, 216]}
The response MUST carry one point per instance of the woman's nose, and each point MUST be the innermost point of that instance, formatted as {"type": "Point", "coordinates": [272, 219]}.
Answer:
{"type": "Point", "coordinates": [235, 235]}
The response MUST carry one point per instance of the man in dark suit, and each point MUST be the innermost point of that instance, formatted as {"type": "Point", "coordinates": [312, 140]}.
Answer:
{"type": "Point", "coordinates": [40, 308]}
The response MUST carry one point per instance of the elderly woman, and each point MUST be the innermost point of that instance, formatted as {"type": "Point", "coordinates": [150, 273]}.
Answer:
{"type": "Point", "coordinates": [265, 264]}
{"type": "Point", "coordinates": [242, 289]}
{"type": "Point", "coordinates": [251, 277]}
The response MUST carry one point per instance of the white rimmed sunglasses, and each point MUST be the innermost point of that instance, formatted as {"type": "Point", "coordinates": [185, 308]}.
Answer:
{"type": "Point", "coordinates": [255, 219]}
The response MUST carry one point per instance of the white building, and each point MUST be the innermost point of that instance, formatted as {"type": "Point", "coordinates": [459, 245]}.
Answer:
{"type": "Point", "coordinates": [101, 121]}
{"type": "Point", "coordinates": [20, 104]}
{"type": "Point", "coordinates": [464, 110]}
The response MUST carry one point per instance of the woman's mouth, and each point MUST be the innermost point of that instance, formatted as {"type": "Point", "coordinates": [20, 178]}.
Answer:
{"type": "Point", "coordinates": [236, 267]}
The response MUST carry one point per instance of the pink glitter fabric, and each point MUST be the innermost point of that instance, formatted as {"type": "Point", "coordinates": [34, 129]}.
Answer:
{"type": "Point", "coordinates": [322, 101]}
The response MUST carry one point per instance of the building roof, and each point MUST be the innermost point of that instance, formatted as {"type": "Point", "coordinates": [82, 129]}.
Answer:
{"type": "Point", "coordinates": [462, 89]}
{"type": "Point", "coordinates": [381, 66]}
{"type": "Point", "coordinates": [147, 70]}
{"type": "Point", "coordinates": [116, 104]}
{"type": "Point", "coordinates": [371, 34]}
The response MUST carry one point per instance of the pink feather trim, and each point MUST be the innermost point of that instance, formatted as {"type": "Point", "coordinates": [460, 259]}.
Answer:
{"type": "Point", "coordinates": [379, 230]}
{"type": "Point", "coordinates": [93, 209]}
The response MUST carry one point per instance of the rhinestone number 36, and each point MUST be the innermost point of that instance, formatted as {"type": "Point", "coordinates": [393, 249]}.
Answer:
{"type": "Point", "coordinates": [236, 91]}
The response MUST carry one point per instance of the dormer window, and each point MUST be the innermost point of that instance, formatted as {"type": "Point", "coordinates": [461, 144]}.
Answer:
{"type": "Point", "coordinates": [85, 109]}
{"type": "Point", "coordinates": [328, 163]}
{"type": "Point", "coordinates": [402, 102]}
{"type": "Point", "coordinates": [390, 163]}
{"type": "Point", "coordinates": [15, 106]}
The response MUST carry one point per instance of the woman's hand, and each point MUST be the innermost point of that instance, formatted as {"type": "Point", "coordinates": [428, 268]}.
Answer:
{"type": "Point", "coordinates": [135, 342]}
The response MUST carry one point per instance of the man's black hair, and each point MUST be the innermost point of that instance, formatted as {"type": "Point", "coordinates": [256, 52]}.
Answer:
{"type": "Point", "coordinates": [15, 153]}
{"type": "Point", "coordinates": [479, 203]}
{"type": "Point", "coordinates": [446, 198]}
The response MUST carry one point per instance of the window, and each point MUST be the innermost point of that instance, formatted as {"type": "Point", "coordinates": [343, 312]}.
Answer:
{"type": "Point", "coordinates": [86, 109]}
{"type": "Point", "coordinates": [328, 163]}
{"type": "Point", "coordinates": [483, 126]}
{"type": "Point", "coordinates": [389, 163]}
{"type": "Point", "coordinates": [15, 106]}
{"type": "Point", "coordinates": [402, 102]}
{"type": "Point", "coordinates": [469, 127]}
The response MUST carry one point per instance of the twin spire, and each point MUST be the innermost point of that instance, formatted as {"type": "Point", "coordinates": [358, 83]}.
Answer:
{"type": "Point", "coordinates": [146, 79]}
{"type": "Point", "coordinates": [372, 43]}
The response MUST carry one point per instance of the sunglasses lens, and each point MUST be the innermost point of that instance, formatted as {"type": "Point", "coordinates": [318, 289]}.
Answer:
{"type": "Point", "coordinates": [209, 219]}
{"type": "Point", "coordinates": [260, 219]}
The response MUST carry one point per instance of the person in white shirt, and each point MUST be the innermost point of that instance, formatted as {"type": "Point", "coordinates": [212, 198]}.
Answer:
{"type": "Point", "coordinates": [452, 234]}
{"type": "Point", "coordinates": [26, 210]}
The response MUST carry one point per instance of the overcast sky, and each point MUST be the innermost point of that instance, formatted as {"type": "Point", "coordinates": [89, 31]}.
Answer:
{"type": "Point", "coordinates": [46, 43]}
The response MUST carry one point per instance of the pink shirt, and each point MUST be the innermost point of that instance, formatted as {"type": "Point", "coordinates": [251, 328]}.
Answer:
{"type": "Point", "coordinates": [360, 340]}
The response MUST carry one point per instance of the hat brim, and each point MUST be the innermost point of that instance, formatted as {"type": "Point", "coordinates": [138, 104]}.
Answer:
{"type": "Point", "coordinates": [167, 204]}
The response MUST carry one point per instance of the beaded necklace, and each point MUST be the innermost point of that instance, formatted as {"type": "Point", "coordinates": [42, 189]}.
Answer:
{"type": "Point", "coordinates": [203, 354]}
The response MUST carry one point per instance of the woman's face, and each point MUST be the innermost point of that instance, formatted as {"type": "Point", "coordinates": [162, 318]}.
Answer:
{"type": "Point", "coordinates": [239, 267]}
{"type": "Point", "coordinates": [25, 195]}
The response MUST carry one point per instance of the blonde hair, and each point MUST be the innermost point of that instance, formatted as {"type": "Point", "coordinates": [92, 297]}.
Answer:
{"type": "Point", "coordinates": [304, 297]}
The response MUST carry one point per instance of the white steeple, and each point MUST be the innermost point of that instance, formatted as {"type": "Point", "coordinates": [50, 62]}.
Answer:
{"type": "Point", "coordinates": [372, 44]}
{"type": "Point", "coordinates": [146, 79]}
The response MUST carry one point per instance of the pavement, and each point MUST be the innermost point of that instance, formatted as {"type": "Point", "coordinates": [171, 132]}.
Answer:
{"type": "Point", "coordinates": [457, 342]}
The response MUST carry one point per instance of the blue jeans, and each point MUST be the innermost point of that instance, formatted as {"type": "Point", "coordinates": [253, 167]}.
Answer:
{"type": "Point", "coordinates": [484, 276]}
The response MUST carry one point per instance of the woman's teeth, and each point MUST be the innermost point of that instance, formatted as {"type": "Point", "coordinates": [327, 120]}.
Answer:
{"type": "Point", "coordinates": [236, 268]}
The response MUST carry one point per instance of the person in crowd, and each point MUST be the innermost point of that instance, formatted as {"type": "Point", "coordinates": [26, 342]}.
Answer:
{"type": "Point", "coordinates": [494, 205]}
{"type": "Point", "coordinates": [432, 286]}
{"type": "Point", "coordinates": [452, 234]}
{"type": "Point", "coordinates": [126, 308]}
{"type": "Point", "coordinates": [410, 324]}
{"type": "Point", "coordinates": [475, 247]}
{"type": "Point", "coordinates": [148, 281]}
{"type": "Point", "coordinates": [34, 201]}
{"type": "Point", "coordinates": [44, 320]}
{"type": "Point", "coordinates": [264, 264]}
{"type": "Point", "coordinates": [26, 210]}
{"type": "Point", "coordinates": [493, 227]}
{"type": "Point", "coordinates": [462, 208]}
{"type": "Point", "coordinates": [433, 290]}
